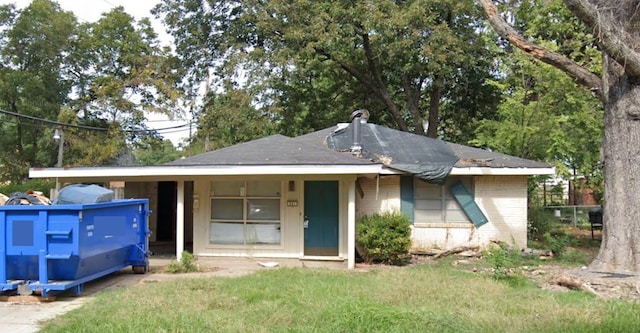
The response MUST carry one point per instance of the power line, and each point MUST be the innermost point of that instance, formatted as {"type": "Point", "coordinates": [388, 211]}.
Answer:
{"type": "Point", "coordinates": [91, 128]}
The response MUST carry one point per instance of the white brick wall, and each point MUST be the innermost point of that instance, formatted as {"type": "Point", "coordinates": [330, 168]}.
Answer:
{"type": "Point", "coordinates": [378, 197]}
{"type": "Point", "coordinates": [503, 199]}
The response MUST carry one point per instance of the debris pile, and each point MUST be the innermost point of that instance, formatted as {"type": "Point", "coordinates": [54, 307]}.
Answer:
{"type": "Point", "coordinates": [24, 198]}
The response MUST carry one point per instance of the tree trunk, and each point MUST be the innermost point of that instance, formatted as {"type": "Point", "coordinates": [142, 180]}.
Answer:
{"type": "Point", "coordinates": [620, 248]}
{"type": "Point", "coordinates": [619, 88]}
{"type": "Point", "coordinates": [434, 106]}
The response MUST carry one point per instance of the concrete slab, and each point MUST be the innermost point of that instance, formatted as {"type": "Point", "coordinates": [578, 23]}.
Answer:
{"type": "Point", "coordinates": [27, 317]}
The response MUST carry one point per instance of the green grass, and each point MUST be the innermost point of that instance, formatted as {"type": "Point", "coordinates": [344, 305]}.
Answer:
{"type": "Point", "coordinates": [422, 298]}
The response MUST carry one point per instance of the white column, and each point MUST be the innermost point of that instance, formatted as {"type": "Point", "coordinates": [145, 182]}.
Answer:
{"type": "Point", "coordinates": [179, 219]}
{"type": "Point", "coordinates": [351, 226]}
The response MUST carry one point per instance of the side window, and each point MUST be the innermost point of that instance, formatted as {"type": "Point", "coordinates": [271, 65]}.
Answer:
{"type": "Point", "coordinates": [436, 204]}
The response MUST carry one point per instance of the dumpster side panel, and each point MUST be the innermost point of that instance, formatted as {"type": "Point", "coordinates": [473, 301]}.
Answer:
{"type": "Point", "coordinates": [71, 242]}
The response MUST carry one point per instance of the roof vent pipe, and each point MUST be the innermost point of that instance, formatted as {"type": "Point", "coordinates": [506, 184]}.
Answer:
{"type": "Point", "coordinates": [357, 117]}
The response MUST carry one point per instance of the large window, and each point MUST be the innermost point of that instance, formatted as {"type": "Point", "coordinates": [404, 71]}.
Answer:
{"type": "Point", "coordinates": [435, 203]}
{"type": "Point", "coordinates": [245, 212]}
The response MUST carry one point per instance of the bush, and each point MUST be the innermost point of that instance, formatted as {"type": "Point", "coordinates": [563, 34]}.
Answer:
{"type": "Point", "coordinates": [541, 221]}
{"type": "Point", "coordinates": [185, 265]}
{"type": "Point", "coordinates": [385, 238]}
{"type": "Point", "coordinates": [504, 261]}
{"type": "Point", "coordinates": [558, 240]}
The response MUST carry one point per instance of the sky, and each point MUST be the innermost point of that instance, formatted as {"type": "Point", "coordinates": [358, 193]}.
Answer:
{"type": "Point", "coordinates": [90, 11]}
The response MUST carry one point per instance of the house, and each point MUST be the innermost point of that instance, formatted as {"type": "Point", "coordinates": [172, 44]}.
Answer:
{"type": "Point", "coordinates": [300, 197]}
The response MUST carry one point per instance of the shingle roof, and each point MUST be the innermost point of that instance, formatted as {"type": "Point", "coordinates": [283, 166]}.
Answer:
{"type": "Point", "coordinates": [312, 149]}
{"type": "Point", "coordinates": [468, 156]}
{"type": "Point", "coordinates": [272, 150]}
{"type": "Point", "coordinates": [475, 157]}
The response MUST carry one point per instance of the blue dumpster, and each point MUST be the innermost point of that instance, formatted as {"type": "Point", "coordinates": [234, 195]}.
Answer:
{"type": "Point", "coordinates": [59, 247]}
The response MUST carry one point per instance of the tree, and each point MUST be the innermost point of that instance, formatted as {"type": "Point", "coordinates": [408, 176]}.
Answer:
{"type": "Point", "coordinates": [402, 60]}
{"type": "Point", "coordinates": [229, 118]}
{"type": "Point", "coordinates": [97, 80]}
{"type": "Point", "coordinates": [34, 44]}
{"type": "Point", "coordinates": [121, 72]}
{"type": "Point", "coordinates": [613, 28]}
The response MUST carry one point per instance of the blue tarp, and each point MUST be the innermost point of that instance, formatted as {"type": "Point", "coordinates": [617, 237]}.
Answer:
{"type": "Point", "coordinates": [83, 194]}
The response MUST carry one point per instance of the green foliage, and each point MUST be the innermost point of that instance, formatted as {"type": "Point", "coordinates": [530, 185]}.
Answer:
{"type": "Point", "coordinates": [400, 60]}
{"type": "Point", "coordinates": [385, 237]}
{"type": "Point", "coordinates": [504, 261]}
{"type": "Point", "coordinates": [544, 114]}
{"type": "Point", "coordinates": [540, 222]}
{"type": "Point", "coordinates": [185, 265]}
{"type": "Point", "coordinates": [558, 240]}
{"type": "Point", "coordinates": [42, 185]}
{"type": "Point", "coordinates": [155, 151]}
{"type": "Point", "coordinates": [104, 74]}
{"type": "Point", "coordinates": [230, 118]}
{"type": "Point", "coordinates": [575, 257]}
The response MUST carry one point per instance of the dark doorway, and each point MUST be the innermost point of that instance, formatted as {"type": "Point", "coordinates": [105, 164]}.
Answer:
{"type": "Point", "coordinates": [166, 228]}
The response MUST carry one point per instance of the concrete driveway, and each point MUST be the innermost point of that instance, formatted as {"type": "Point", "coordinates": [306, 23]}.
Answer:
{"type": "Point", "coordinates": [27, 317]}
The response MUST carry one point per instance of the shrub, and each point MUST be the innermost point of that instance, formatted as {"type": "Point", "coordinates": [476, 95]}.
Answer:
{"type": "Point", "coordinates": [185, 265]}
{"type": "Point", "coordinates": [558, 240]}
{"type": "Point", "coordinates": [504, 261]}
{"type": "Point", "coordinates": [385, 238]}
{"type": "Point", "coordinates": [541, 221]}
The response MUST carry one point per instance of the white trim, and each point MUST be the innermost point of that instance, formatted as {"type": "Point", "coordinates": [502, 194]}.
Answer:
{"type": "Point", "coordinates": [228, 170]}
{"type": "Point", "coordinates": [351, 226]}
{"type": "Point", "coordinates": [322, 258]}
{"type": "Point", "coordinates": [502, 171]}
{"type": "Point", "coordinates": [179, 220]}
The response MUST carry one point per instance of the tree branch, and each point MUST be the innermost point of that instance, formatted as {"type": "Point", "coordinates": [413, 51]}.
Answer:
{"type": "Point", "coordinates": [613, 41]}
{"type": "Point", "coordinates": [381, 92]}
{"type": "Point", "coordinates": [580, 74]}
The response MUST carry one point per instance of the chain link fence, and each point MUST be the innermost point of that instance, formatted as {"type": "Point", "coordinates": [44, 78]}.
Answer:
{"type": "Point", "coordinates": [574, 215]}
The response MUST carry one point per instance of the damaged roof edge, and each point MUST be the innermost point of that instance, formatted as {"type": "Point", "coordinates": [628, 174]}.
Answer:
{"type": "Point", "coordinates": [485, 171]}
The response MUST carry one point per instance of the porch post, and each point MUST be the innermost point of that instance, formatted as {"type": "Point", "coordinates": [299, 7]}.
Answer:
{"type": "Point", "coordinates": [351, 226]}
{"type": "Point", "coordinates": [179, 219]}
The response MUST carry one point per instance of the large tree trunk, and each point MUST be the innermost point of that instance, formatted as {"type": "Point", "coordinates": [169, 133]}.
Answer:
{"type": "Point", "coordinates": [614, 26]}
{"type": "Point", "coordinates": [620, 248]}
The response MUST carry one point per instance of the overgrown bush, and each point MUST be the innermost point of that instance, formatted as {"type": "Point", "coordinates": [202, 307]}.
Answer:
{"type": "Point", "coordinates": [504, 261]}
{"type": "Point", "coordinates": [385, 238]}
{"type": "Point", "coordinates": [540, 221]}
{"type": "Point", "coordinates": [558, 241]}
{"type": "Point", "coordinates": [185, 265]}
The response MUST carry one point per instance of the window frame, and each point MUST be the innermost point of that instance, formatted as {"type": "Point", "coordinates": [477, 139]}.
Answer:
{"type": "Point", "coordinates": [245, 196]}
{"type": "Point", "coordinates": [445, 200]}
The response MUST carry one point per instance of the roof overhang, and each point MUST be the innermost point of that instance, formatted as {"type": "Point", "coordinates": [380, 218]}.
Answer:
{"type": "Point", "coordinates": [485, 171]}
{"type": "Point", "coordinates": [182, 171]}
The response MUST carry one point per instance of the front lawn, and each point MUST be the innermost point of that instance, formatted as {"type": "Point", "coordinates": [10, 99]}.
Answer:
{"type": "Point", "coordinates": [421, 298]}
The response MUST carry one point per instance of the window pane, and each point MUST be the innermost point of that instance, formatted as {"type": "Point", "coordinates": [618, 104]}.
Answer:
{"type": "Point", "coordinates": [263, 233]}
{"type": "Point", "coordinates": [227, 188]}
{"type": "Point", "coordinates": [226, 233]}
{"type": "Point", "coordinates": [263, 188]}
{"type": "Point", "coordinates": [263, 209]}
{"type": "Point", "coordinates": [226, 209]}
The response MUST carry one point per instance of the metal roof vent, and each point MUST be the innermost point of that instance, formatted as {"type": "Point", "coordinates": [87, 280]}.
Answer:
{"type": "Point", "coordinates": [358, 117]}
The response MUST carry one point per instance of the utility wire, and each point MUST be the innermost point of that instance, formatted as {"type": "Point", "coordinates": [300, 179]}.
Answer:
{"type": "Point", "coordinates": [91, 128]}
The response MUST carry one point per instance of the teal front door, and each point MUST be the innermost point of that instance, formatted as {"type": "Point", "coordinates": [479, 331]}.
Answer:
{"type": "Point", "coordinates": [321, 218]}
